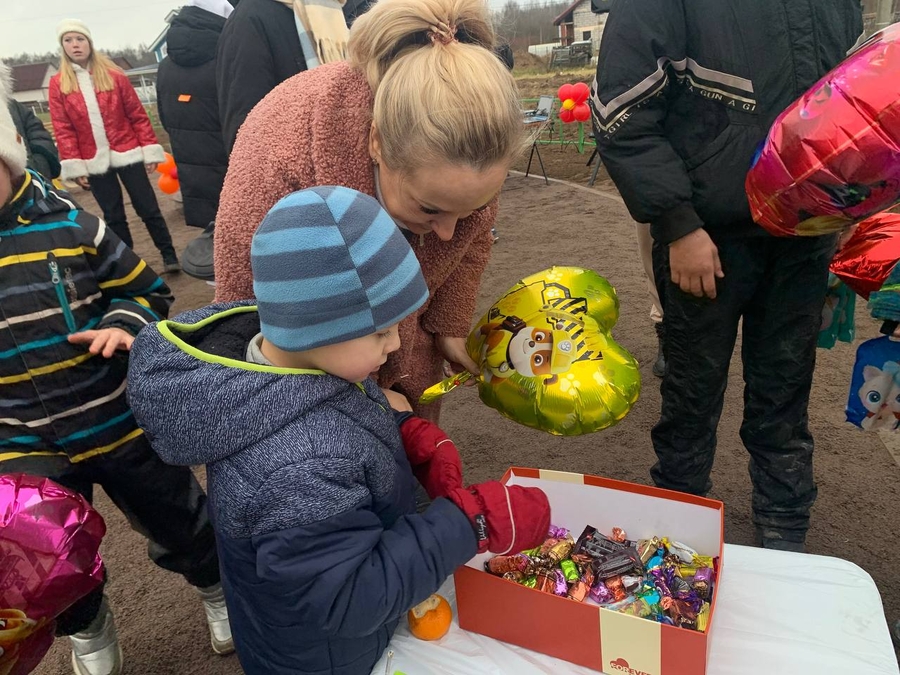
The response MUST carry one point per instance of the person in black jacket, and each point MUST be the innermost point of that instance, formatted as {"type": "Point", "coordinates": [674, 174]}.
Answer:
{"type": "Point", "coordinates": [259, 49]}
{"type": "Point", "coordinates": [685, 93]}
{"type": "Point", "coordinates": [189, 107]}
{"type": "Point", "coordinates": [43, 156]}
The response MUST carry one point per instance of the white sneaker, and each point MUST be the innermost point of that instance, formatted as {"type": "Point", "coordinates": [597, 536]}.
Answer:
{"type": "Point", "coordinates": [96, 650]}
{"type": "Point", "coordinates": [217, 617]}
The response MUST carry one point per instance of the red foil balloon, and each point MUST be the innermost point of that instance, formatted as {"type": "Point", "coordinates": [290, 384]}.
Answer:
{"type": "Point", "coordinates": [49, 541]}
{"type": "Point", "coordinates": [833, 157]}
{"type": "Point", "coordinates": [870, 255]}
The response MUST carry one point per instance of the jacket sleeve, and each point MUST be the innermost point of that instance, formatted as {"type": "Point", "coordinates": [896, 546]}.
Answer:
{"type": "Point", "coordinates": [40, 143]}
{"type": "Point", "coordinates": [135, 293]}
{"type": "Point", "coordinates": [453, 304]}
{"type": "Point", "coordinates": [345, 571]}
{"type": "Point", "coordinates": [140, 123]}
{"type": "Point", "coordinates": [628, 106]}
{"type": "Point", "coordinates": [73, 164]}
{"type": "Point", "coordinates": [245, 73]}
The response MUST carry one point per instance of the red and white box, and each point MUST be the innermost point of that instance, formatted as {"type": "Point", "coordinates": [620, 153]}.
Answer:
{"type": "Point", "coordinates": [585, 633]}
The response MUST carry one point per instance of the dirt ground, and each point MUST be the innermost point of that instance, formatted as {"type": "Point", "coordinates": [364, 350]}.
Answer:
{"type": "Point", "coordinates": [159, 617]}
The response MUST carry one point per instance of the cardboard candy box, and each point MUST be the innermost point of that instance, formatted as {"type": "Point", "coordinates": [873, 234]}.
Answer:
{"type": "Point", "coordinates": [585, 633]}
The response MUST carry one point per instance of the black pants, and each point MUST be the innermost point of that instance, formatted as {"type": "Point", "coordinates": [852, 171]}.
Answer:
{"type": "Point", "coordinates": [108, 194]}
{"type": "Point", "coordinates": [777, 286]}
{"type": "Point", "coordinates": [164, 503]}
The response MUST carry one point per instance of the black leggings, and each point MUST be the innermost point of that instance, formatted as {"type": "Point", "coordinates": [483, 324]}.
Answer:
{"type": "Point", "coordinates": [108, 194]}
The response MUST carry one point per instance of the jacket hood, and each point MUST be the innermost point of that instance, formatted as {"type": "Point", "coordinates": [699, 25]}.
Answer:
{"type": "Point", "coordinates": [197, 398]}
{"type": "Point", "coordinates": [32, 200]}
{"type": "Point", "coordinates": [193, 37]}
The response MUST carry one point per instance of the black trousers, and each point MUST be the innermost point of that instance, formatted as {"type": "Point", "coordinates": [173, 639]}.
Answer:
{"type": "Point", "coordinates": [164, 503]}
{"type": "Point", "coordinates": [108, 194]}
{"type": "Point", "coordinates": [777, 286]}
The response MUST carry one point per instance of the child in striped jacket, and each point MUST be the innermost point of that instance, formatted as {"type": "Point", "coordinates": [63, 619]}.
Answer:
{"type": "Point", "coordinates": [72, 299]}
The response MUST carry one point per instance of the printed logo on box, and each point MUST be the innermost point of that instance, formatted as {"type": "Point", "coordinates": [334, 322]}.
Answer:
{"type": "Point", "coordinates": [621, 665]}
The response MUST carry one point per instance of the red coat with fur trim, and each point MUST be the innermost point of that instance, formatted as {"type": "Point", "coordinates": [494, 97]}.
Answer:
{"type": "Point", "coordinates": [313, 129]}
{"type": "Point", "coordinates": [99, 130]}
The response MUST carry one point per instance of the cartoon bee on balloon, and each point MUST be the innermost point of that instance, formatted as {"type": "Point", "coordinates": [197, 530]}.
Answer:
{"type": "Point", "coordinates": [547, 358]}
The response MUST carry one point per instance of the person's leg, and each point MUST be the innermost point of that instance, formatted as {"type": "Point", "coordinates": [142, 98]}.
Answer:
{"type": "Point", "coordinates": [781, 326]}
{"type": "Point", "coordinates": [108, 193]}
{"type": "Point", "coordinates": [164, 503]}
{"type": "Point", "coordinates": [167, 505]}
{"type": "Point", "coordinates": [645, 250]}
{"type": "Point", "coordinates": [700, 336]}
{"type": "Point", "coordinates": [143, 199]}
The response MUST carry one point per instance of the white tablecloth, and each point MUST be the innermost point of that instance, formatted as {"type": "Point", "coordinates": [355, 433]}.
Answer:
{"type": "Point", "coordinates": [777, 614]}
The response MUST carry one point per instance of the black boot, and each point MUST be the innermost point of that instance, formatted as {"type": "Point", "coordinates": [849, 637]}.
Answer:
{"type": "Point", "coordinates": [659, 367]}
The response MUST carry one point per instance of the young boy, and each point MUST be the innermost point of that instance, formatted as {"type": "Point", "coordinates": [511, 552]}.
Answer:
{"type": "Point", "coordinates": [311, 492]}
{"type": "Point", "coordinates": [72, 298]}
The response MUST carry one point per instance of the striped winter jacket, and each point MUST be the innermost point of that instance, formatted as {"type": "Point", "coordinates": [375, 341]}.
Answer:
{"type": "Point", "coordinates": [686, 91]}
{"type": "Point", "coordinates": [62, 271]}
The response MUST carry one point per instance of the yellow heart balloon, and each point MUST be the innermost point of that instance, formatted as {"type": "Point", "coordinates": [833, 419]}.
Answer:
{"type": "Point", "coordinates": [547, 358]}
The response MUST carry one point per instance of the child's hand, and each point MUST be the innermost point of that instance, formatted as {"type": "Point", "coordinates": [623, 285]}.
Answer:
{"type": "Point", "coordinates": [433, 457]}
{"type": "Point", "coordinates": [83, 182]}
{"type": "Point", "coordinates": [151, 166]}
{"type": "Point", "coordinates": [105, 341]}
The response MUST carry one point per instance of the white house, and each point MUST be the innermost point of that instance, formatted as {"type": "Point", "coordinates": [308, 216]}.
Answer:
{"type": "Point", "coordinates": [581, 21]}
{"type": "Point", "coordinates": [31, 81]}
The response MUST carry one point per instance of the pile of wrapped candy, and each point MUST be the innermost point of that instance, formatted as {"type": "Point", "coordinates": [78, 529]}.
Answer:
{"type": "Point", "coordinates": [657, 579]}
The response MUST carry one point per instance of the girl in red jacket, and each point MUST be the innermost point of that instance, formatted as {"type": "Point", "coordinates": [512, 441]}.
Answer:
{"type": "Point", "coordinates": [104, 134]}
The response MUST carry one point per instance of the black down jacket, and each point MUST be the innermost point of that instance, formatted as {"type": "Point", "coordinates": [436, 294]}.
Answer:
{"type": "Point", "coordinates": [189, 110]}
{"type": "Point", "coordinates": [42, 154]}
{"type": "Point", "coordinates": [686, 91]}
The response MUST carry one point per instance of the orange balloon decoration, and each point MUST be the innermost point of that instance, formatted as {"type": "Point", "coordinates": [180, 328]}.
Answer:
{"type": "Point", "coordinates": [167, 165]}
{"type": "Point", "coordinates": [573, 106]}
{"type": "Point", "coordinates": [168, 184]}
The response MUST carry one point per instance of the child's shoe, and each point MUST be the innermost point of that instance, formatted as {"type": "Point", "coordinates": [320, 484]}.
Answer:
{"type": "Point", "coordinates": [217, 618]}
{"type": "Point", "coordinates": [96, 650]}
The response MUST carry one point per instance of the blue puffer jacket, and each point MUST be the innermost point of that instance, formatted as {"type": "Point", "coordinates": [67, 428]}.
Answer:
{"type": "Point", "coordinates": [310, 493]}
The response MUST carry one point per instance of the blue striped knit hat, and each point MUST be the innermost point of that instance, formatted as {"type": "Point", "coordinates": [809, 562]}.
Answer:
{"type": "Point", "coordinates": [330, 265]}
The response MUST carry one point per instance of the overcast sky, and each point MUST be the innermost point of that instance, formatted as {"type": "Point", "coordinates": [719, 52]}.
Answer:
{"type": "Point", "coordinates": [30, 25]}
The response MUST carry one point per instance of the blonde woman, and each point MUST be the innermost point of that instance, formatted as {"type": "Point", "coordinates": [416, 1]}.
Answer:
{"type": "Point", "coordinates": [104, 135]}
{"type": "Point", "coordinates": [425, 118]}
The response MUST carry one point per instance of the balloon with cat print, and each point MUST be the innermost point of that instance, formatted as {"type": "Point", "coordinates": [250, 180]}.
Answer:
{"type": "Point", "coordinates": [874, 400]}
{"type": "Point", "coordinates": [546, 356]}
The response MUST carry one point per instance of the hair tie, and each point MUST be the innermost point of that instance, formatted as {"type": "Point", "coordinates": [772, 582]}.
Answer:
{"type": "Point", "coordinates": [442, 33]}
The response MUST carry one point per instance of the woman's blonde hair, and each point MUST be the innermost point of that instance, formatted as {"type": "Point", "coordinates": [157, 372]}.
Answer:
{"type": "Point", "coordinates": [441, 94]}
{"type": "Point", "coordinates": [99, 65]}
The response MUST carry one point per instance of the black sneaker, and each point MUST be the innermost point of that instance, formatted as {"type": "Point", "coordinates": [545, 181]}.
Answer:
{"type": "Point", "coordinates": [774, 541]}
{"type": "Point", "coordinates": [171, 264]}
{"type": "Point", "coordinates": [197, 257]}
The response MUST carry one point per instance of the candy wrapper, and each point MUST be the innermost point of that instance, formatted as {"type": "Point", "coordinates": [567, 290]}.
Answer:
{"type": "Point", "coordinates": [874, 400]}
{"type": "Point", "coordinates": [658, 579]}
{"type": "Point", "coordinates": [547, 357]}
{"type": "Point", "coordinates": [832, 158]}
{"type": "Point", "coordinates": [49, 541]}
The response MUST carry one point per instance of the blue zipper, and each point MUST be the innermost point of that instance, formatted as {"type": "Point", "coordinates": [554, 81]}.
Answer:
{"type": "Point", "coordinates": [61, 292]}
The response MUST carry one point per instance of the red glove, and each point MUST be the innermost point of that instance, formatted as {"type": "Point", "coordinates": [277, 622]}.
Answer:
{"type": "Point", "coordinates": [432, 455]}
{"type": "Point", "coordinates": [506, 519]}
